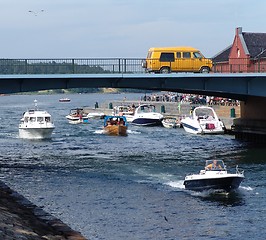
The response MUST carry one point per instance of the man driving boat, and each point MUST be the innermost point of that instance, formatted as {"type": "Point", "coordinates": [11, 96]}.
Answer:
{"type": "Point", "coordinates": [214, 166]}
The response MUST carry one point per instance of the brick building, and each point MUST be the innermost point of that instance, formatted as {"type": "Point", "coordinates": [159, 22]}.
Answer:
{"type": "Point", "coordinates": [246, 54]}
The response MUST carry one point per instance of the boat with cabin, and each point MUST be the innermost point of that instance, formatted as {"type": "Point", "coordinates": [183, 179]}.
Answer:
{"type": "Point", "coordinates": [36, 124]}
{"type": "Point", "coordinates": [203, 120]}
{"type": "Point", "coordinates": [115, 125]}
{"type": "Point", "coordinates": [77, 116]}
{"type": "Point", "coordinates": [64, 100]}
{"type": "Point", "coordinates": [214, 177]}
{"type": "Point", "coordinates": [124, 110]}
{"type": "Point", "coordinates": [171, 122]}
{"type": "Point", "coordinates": [146, 115]}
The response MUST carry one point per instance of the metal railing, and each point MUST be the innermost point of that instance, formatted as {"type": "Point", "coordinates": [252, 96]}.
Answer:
{"type": "Point", "coordinates": [113, 65]}
{"type": "Point", "coordinates": [71, 66]}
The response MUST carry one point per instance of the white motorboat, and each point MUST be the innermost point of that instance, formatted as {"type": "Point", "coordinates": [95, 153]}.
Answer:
{"type": "Point", "coordinates": [214, 176]}
{"type": "Point", "coordinates": [125, 111]}
{"type": "Point", "coordinates": [77, 116]}
{"type": "Point", "coordinates": [170, 122]}
{"type": "Point", "coordinates": [64, 100]}
{"type": "Point", "coordinates": [100, 115]}
{"type": "Point", "coordinates": [36, 124]}
{"type": "Point", "coordinates": [204, 120]}
{"type": "Point", "coordinates": [145, 115]}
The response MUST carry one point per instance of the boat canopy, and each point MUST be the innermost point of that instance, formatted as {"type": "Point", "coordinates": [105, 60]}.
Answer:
{"type": "Point", "coordinates": [115, 120]}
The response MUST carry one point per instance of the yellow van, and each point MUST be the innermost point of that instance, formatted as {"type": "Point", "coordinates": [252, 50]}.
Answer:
{"type": "Point", "coordinates": [176, 59]}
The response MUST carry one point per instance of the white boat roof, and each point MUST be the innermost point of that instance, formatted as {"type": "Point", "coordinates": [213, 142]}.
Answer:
{"type": "Point", "coordinates": [36, 113]}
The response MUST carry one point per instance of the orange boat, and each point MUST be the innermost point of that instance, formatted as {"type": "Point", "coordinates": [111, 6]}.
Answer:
{"type": "Point", "coordinates": [115, 125]}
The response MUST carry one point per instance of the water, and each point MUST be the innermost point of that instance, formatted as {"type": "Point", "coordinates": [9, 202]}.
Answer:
{"type": "Point", "coordinates": [129, 187]}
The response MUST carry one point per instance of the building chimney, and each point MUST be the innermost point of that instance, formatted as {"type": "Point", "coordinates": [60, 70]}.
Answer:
{"type": "Point", "coordinates": [238, 30]}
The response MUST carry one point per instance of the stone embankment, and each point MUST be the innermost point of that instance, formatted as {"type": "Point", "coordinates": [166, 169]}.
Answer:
{"type": "Point", "coordinates": [21, 220]}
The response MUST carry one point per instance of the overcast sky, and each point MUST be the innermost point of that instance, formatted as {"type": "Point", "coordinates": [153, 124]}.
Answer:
{"type": "Point", "coordinates": [122, 28]}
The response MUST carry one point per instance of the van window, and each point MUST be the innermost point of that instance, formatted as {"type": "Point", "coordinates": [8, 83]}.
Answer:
{"type": "Point", "coordinates": [149, 55]}
{"type": "Point", "coordinates": [197, 55]}
{"type": "Point", "coordinates": [186, 55]}
{"type": "Point", "coordinates": [167, 57]}
{"type": "Point", "coordinates": [178, 55]}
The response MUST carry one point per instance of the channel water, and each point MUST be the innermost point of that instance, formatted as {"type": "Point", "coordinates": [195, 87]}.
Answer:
{"type": "Point", "coordinates": [130, 187]}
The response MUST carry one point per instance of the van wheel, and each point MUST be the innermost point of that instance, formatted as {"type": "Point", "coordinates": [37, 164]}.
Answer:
{"type": "Point", "coordinates": [205, 70]}
{"type": "Point", "coordinates": [165, 70]}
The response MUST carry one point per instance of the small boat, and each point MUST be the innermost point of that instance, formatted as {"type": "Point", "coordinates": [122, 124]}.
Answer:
{"type": "Point", "coordinates": [64, 100]}
{"type": "Point", "coordinates": [96, 115]}
{"type": "Point", "coordinates": [77, 116]}
{"type": "Point", "coordinates": [126, 111]}
{"type": "Point", "coordinates": [215, 177]}
{"type": "Point", "coordinates": [115, 125]}
{"type": "Point", "coordinates": [170, 122]}
{"type": "Point", "coordinates": [36, 124]}
{"type": "Point", "coordinates": [145, 115]}
{"type": "Point", "coordinates": [204, 120]}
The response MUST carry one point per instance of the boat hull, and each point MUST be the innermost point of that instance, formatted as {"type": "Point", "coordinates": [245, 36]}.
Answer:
{"type": "Point", "coordinates": [223, 183]}
{"type": "Point", "coordinates": [147, 122]}
{"type": "Point", "coordinates": [77, 120]}
{"type": "Point", "coordinates": [116, 130]}
{"type": "Point", "coordinates": [192, 126]}
{"type": "Point", "coordinates": [36, 133]}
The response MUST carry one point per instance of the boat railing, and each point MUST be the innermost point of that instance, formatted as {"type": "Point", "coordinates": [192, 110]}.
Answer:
{"type": "Point", "coordinates": [239, 171]}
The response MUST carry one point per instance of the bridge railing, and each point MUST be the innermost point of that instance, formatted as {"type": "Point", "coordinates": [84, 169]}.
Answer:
{"type": "Point", "coordinates": [110, 65]}
{"type": "Point", "coordinates": [71, 66]}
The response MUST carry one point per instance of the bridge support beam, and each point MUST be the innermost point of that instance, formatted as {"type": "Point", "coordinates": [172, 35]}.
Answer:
{"type": "Point", "coordinates": [251, 126]}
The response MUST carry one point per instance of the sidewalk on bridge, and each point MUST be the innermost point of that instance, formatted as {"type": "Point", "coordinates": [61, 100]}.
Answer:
{"type": "Point", "coordinates": [20, 219]}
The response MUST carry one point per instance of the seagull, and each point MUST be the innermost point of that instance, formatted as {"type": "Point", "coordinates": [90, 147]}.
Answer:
{"type": "Point", "coordinates": [35, 13]}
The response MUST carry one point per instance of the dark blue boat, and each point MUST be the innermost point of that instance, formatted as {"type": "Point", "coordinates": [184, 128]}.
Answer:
{"type": "Point", "coordinates": [214, 176]}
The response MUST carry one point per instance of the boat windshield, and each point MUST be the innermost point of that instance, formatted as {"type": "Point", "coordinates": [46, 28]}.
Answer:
{"type": "Point", "coordinates": [204, 112]}
{"type": "Point", "coordinates": [147, 108]}
{"type": "Point", "coordinates": [214, 165]}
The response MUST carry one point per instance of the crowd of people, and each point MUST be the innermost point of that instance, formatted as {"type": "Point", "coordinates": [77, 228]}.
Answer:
{"type": "Point", "coordinates": [190, 98]}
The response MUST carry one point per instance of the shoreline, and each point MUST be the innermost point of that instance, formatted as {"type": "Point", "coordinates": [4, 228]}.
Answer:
{"type": "Point", "coordinates": [21, 219]}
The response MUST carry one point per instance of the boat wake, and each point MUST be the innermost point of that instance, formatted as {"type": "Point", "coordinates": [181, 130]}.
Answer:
{"type": "Point", "coordinates": [246, 188]}
{"type": "Point", "coordinates": [133, 132]}
{"type": "Point", "coordinates": [176, 184]}
{"type": "Point", "coordinates": [101, 131]}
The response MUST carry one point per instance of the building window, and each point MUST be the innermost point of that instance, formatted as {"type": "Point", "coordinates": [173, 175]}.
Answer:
{"type": "Point", "coordinates": [238, 52]}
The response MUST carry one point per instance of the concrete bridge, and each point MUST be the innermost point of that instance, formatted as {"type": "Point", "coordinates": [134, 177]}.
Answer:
{"type": "Point", "coordinates": [250, 88]}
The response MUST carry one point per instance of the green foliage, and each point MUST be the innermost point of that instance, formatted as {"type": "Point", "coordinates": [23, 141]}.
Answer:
{"type": "Point", "coordinates": [10, 66]}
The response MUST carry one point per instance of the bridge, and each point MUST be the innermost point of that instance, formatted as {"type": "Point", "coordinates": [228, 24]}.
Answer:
{"type": "Point", "coordinates": [250, 88]}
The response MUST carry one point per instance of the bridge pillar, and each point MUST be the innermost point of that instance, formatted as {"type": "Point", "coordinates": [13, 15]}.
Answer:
{"type": "Point", "coordinates": [251, 126]}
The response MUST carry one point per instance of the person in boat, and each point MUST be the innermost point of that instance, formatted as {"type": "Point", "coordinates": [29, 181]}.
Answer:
{"type": "Point", "coordinates": [121, 122]}
{"type": "Point", "coordinates": [214, 166]}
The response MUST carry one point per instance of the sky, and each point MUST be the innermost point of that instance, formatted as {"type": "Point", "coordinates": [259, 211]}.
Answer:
{"type": "Point", "coordinates": [122, 28]}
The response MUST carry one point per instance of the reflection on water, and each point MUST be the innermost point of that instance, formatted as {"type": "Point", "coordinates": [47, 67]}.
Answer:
{"type": "Point", "coordinates": [231, 199]}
